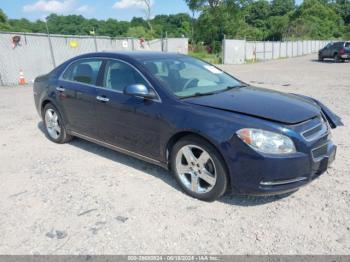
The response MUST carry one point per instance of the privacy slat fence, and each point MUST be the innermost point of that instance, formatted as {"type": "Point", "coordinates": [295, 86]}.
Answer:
{"type": "Point", "coordinates": [34, 56]}
{"type": "Point", "coordinates": [240, 51]}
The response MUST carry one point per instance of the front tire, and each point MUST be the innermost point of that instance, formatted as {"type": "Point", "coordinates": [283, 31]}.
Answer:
{"type": "Point", "coordinates": [198, 168]}
{"type": "Point", "coordinates": [320, 58]}
{"type": "Point", "coordinates": [54, 127]}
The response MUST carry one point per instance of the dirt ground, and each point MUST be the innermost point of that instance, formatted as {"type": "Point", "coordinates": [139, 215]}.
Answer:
{"type": "Point", "coordinates": [81, 198]}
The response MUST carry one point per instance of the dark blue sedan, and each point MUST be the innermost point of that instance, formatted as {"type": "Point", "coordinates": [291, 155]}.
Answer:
{"type": "Point", "coordinates": [211, 130]}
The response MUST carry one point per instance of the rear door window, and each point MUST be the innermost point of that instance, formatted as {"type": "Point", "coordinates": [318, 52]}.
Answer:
{"type": "Point", "coordinates": [83, 71]}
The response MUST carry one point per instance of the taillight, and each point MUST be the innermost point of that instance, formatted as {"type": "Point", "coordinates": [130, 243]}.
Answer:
{"type": "Point", "coordinates": [342, 51]}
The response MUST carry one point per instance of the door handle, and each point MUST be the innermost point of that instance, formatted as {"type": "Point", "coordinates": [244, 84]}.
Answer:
{"type": "Point", "coordinates": [60, 89]}
{"type": "Point", "coordinates": [102, 99]}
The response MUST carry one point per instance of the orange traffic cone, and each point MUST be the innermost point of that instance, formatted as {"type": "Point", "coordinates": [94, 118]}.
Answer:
{"type": "Point", "coordinates": [22, 80]}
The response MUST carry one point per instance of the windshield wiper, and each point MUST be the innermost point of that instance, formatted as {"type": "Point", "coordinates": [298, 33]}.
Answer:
{"type": "Point", "coordinates": [197, 94]}
{"type": "Point", "coordinates": [231, 87]}
{"type": "Point", "coordinates": [200, 94]}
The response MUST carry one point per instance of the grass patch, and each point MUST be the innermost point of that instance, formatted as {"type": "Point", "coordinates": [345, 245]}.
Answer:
{"type": "Point", "coordinates": [210, 58]}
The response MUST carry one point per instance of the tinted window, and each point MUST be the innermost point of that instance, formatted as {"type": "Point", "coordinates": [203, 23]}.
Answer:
{"type": "Point", "coordinates": [119, 75]}
{"type": "Point", "coordinates": [186, 76]}
{"type": "Point", "coordinates": [339, 44]}
{"type": "Point", "coordinates": [84, 71]}
{"type": "Point", "coordinates": [347, 44]}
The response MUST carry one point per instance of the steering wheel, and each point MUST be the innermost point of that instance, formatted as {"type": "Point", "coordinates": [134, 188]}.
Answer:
{"type": "Point", "coordinates": [192, 82]}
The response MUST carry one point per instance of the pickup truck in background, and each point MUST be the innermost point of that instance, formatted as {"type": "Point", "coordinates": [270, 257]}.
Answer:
{"type": "Point", "coordinates": [339, 51]}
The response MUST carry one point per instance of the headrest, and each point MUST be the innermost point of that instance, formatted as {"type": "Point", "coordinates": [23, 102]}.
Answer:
{"type": "Point", "coordinates": [84, 70]}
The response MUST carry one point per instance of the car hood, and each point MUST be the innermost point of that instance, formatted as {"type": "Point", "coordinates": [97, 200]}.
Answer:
{"type": "Point", "coordinates": [262, 103]}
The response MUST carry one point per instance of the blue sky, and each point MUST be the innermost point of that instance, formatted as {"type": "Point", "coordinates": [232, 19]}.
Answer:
{"type": "Point", "coordinates": [102, 9]}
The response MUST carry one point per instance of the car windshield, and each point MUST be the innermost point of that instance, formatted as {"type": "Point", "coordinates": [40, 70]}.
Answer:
{"type": "Point", "coordinates": [188, 77]}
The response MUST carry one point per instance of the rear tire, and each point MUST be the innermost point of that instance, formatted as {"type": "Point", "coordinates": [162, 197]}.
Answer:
{"type": "Point", "coordinates": [337, 58]}
{"type": "Point", "coordinates": [54, 126]}
{"type": "Point", "coordinates": [199, 168]}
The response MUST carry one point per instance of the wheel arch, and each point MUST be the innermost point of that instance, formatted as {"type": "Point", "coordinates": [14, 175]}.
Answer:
{"type": "Point", "coordinates": [50, 101]}
{"type": "Point", "coordinates": [43, 104]}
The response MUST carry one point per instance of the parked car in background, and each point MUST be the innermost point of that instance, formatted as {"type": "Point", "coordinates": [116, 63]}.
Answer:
{"type": "Point", "coordinates": [210, 129]}
{"type": "Point", "coordinates": [339, 51]}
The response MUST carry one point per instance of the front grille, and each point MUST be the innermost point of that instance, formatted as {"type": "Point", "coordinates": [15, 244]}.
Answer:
{"type": "Point", "coordinates": [313, 131]}
{"type": "Point", "coordinates": [318, 130]}
{"type": "Point", "coordinates": [320, 152]}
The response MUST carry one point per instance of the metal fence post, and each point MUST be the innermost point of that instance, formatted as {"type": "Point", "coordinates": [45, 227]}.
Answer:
{"type": "Point", "coordinates": [95, 43]}
{"type": "Point", "coordinates": [297, 48]}
{"type": "Point", "coordinates": [50, 45]}
{"type": "Point", "coordinates": [167, 43]}
{"type": "Point", "coordinates": [302, 47]}
{"type": "Point", "coordinates": [264, 50]}
{"type": "Point", "coordinates": [132, 44]}
{"type": "Point", "coordinates": [162, 42]}
{"type": "Point", "coordinates": [245, 50]}
{"type": "Point", "coordinates": [279, 53]}
{"type": "Point", "coordinates": [223, 49]}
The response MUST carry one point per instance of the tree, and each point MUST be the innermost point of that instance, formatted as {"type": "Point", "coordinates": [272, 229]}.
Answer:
{"type": "Point", "coordinates": [342, 7]}
{"type": "Point", "coordinates": [3, 21]}
{"type": "Point", "coordinates": [282, 7]}
{"type": "Point", "coordinates": [277, 27]}
{"type": "Point", "coordinates": [175, 25]}
{"type": "Point", "coordinates": [316, 19]}
{"type": "Point", "coordinates": [257, 14]}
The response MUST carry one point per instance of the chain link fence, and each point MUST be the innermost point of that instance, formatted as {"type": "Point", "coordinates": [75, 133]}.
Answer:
{"type": "Point", "coordinates": [37, 54]}
{"type": "Point", "coordinates": [241, 51]}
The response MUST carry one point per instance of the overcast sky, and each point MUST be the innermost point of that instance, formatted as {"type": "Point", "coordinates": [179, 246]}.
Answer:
{"type": "Point", "coordinates": [102, 9]}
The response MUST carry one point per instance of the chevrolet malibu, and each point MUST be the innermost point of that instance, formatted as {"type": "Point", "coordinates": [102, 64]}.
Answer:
{"type": "Point", "coordinates": [213, 131]}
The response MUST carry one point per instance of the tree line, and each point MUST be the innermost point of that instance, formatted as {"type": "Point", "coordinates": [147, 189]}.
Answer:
{"type": "Point", "coordinates": [210, 21]}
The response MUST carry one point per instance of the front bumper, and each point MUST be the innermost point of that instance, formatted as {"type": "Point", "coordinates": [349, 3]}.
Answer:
{"type": "Point", "coordinates": [272, 175]}
{"type": "Point", "coordinates": [345, 56]}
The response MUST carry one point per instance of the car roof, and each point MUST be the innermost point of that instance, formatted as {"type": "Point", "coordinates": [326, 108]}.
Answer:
{"type": "Point", "coordinates": [339, 42]}
{"type": "Point", "coordinates": [136, 55]}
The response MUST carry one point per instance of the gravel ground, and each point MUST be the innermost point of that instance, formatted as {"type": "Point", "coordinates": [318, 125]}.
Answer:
{"type": "Point", "coordinates": [81, 198]}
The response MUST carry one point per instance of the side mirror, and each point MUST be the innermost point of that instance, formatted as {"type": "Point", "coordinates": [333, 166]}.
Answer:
{"type": "Point", "coordinates": [139, 90]}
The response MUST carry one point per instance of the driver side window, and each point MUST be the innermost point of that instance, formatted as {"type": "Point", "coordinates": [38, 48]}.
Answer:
{"type": "Point", "coordinates": [119, 75]}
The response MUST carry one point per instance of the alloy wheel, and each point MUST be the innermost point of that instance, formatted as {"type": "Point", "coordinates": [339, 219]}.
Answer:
{"type": "Point", "coordinates": [52, 123]}
{"type": "Point", "coordinates": [196, 169]}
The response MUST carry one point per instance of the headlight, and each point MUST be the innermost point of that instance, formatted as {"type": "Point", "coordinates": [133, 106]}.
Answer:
{"type": "Point", "coordinates": [266, 141]}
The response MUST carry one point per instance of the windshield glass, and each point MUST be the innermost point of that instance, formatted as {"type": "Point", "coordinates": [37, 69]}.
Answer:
{"type": "Point", "coordinates": [186, 76]}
